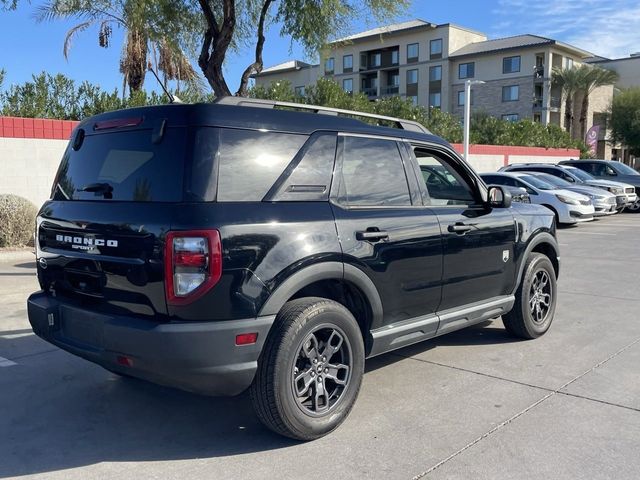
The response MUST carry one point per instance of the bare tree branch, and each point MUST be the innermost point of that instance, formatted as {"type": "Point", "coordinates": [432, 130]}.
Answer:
{"type": "Point", "coordinates": [257, 65]}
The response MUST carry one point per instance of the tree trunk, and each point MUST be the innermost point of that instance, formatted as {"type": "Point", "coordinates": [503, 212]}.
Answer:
{"type": "Point", "coordinates": [215, 43]}
{"type": "Point", "coordinates": [134, 63]}
{"type": "Point", "coordinates": [583, 116]}
{"type": "Point", "coordinates": [568, 114]}
{"type": "Point", "coordinates": [256, 66]}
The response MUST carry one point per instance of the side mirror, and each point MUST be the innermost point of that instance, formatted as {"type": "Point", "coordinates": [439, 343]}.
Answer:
{"type": "Point", "coordinates": [499, 197]}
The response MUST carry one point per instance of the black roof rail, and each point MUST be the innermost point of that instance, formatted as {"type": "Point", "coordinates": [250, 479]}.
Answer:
{"type": "Point", "coordinates": [400, 123]}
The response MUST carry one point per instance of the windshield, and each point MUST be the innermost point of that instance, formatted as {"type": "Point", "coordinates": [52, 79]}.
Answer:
{"type": "Point", "coordinates": [537, 182]}
{"type": "Point", "coordinates": [624, 169]}
{"type": "Point", "coordinates": [555, 181]}
{"type": "Point", "coordinates": [581, 174]}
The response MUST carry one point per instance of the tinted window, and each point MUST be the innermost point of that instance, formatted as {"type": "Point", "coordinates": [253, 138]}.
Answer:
{"type": "Point", "coordinates": [511, 64]}
{"type": "Point", "coordinates": [311, 177]}
{"type": "Point", "coordinates": [624, 169]}
{"type": "Point", "coordinates": [445, 185]}
{"type": "Point", "coordinates": [537, 182]}
{"type": "Point", "coordinates": [373, 174]}
{"type": "Point", "coordinates": [251, 161]}
{"type": "Point", "coordinates": [124, 165]}
{"type": "Point", "coordinates": [412, 52]}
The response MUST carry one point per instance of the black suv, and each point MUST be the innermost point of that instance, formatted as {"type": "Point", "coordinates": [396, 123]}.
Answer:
{"type": "Point", "coordinates": [225, 246]}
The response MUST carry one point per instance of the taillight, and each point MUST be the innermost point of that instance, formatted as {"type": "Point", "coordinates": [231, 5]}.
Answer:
{"type": "Point", "coordinates": [192, 263]}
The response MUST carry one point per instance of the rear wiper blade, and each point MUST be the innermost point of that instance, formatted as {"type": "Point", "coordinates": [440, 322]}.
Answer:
{"type": "Point", "coordinates": [99, 189]}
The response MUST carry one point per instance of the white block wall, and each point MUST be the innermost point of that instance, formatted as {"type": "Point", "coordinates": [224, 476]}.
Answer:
{"type": "Point", "coordinates": [29, 166]}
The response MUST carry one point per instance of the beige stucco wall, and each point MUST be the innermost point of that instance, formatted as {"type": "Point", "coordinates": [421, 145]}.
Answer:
{"type": "Point", "coordinates": [627, 68]}
{"type": "Point", "coordinates": [29, 166]}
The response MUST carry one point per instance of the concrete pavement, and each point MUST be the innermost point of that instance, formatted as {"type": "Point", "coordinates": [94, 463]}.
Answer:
{"type": "Point", "coordinates": [472, 404]}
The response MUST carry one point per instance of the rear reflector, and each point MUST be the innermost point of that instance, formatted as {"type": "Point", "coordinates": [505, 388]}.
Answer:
{"type": "Point", "coordinates": [193, 264]}
{"type": "Point", "coordinates": [124, 361]}
{"type": "Point", "coordinates": [246, 338]}
{"type": "Point", "coordinates": [117, 123]}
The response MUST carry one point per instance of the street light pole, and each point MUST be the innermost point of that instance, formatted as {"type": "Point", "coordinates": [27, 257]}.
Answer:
{"type": "Point", "coordinates": [467, 114]}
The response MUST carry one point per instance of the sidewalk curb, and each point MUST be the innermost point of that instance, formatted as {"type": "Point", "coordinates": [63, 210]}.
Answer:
{"type": "Point", "coordinates": [19, 254]}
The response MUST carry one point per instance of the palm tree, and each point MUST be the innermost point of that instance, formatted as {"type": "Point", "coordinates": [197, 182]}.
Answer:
{"type": "Point", "coordinates": [570, 79]}
{"type": "Point", "coordinates": [593, 77]}
{"type": "Point", "coordinates": [147, 25]}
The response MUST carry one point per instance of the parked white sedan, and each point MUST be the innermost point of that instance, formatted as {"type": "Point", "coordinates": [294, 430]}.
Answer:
{"type": "Point", "coordinates": [569, 207]}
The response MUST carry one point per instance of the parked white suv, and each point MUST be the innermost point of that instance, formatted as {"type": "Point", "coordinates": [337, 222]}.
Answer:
{"type": "Point", "coordinates": [569, 207]}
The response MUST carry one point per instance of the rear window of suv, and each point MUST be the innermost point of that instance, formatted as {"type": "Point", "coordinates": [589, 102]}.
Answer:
{"type": "Point", "coordinates": [123, 166]}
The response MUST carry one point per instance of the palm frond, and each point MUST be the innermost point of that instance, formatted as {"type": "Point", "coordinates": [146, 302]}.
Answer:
{"type": "Point", "coordinates": [68, 39]}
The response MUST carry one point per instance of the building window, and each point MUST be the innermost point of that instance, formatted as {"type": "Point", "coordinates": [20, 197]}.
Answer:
{"type": "Point", "coordinates": [412, 77]}
{"type": "Point", "coordinates": [510, 117]}
{"type": "Point", "coordinates": [466, 70]}
{"type": "Point", "coordinates": [537, 118]}
{"type": "Point", "coordinates": [435, 48]}
{"type": "Point", "coordinates": [413, 52]}
{"type": "Point", "coordinates": [413, 98]}
{"type": "Point", "coordinates": [329, 66]}
{"type": "Point", "coordinates": [435, 100]}
{"type": "Point", "coordinates": [435, 73]}
{"type": "Point", "coordinates": [510, 93]}
{"type": "Point", "coordinates": [394, 79]}
{"type": "Point", "coordinates": [375, 60]}
{"type": "Point", "coordinates": [395, 59]}
{"type": "Point", "coordinates": [299, 91]}
{"type": "Point", "coordinates": [568, 62]}
{"type": "Point", "coordinates": [461, 96]}
{"type": "Point", "coordinates": [347, 63]}
{"type": "Point", "coordinates": [347, 85]}
{"type": "Point", "coordinates": [511, 64]}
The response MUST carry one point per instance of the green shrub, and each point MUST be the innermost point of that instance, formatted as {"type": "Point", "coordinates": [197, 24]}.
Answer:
{"type": "Point", "coordinates": [17, 221]}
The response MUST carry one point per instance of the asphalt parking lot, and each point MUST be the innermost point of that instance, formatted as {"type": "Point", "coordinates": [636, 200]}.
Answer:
{"type": "Point", "coordinates": [472, 404]}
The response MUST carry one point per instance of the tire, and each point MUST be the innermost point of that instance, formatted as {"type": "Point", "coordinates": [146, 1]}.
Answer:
{"type": "Point", "coordinates": [531, 316]}
{"type": "Point", "coordinates": [302, 331]}
{"type": "Point", "coordinates": [635, 207]}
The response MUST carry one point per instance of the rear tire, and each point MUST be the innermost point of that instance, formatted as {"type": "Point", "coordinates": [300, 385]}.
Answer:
{"type": "Point", "coordinates": [535, 303]}
{"type": "Point", "coordinates": [310, 370]}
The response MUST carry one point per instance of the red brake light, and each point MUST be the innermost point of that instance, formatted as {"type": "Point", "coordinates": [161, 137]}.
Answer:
{"type": "Point", "coordinates": [192, 264]}
{"type": "Point", "coordinates": [117, 123]}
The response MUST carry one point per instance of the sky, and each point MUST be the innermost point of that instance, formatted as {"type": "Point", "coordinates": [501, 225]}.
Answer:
{"type": "Point", "coordinates": [610, 28]}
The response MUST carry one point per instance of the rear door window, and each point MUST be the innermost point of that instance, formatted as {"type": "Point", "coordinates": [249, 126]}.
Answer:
{"type": "Point", "coordinates": [373, 173]}
{"type": "Point", "coordinates": [123, 166]}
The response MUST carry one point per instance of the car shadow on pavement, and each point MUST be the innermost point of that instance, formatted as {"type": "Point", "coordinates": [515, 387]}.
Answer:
{"type": "Point", "coordinates": [485, 333]}
{"type": "Point", "coordinates": [61, 412]}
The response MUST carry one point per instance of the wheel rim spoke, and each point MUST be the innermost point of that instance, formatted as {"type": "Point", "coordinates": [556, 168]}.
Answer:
{"type": "Point", "coordinates": [332, 346]}
{"type": "Point", "coordinates": [338, 373]}
{"type": "Point", "coordinates": [303, 382]}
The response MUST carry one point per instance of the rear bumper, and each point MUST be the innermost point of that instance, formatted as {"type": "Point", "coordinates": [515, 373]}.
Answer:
{"type": "Point", "coordinates": [199, 357]}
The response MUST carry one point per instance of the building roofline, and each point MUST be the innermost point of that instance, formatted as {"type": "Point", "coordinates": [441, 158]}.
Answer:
{"type": "Point", "coordinates": [460, 27]}
{"type": "Point", "coordinates": [380, 31]}
{"type": "Point", "coordinates": [545, 42]}
{"type": "Point", "coordinates": [621, 59]}
{"type": "Point", "coordinates": [298, 65]}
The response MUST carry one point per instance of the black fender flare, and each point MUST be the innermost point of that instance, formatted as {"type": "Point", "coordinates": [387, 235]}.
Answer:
{"type": "Point", "coordinates": [324, 271]}
{"type": "Point", "coordinates": [539, 238]}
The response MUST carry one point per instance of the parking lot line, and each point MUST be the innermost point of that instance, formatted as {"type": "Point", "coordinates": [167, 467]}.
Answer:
{"type": "Point", "coordinates": [593, 233]}
{"type": "Point", "coordinates": [5, 362]}
{"type": "Point", "coordinates": [13, 336]}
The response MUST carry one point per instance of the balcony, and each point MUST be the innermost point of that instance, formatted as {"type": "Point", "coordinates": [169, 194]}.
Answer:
{"type": "Point", "coordinates": [538, 73]}
{"type": "Point", "coordinates": [390, 90]}
{"type": "Point", "coordinates": [554, 103]}
{"type": "Point", "coordinates": [370, 91]}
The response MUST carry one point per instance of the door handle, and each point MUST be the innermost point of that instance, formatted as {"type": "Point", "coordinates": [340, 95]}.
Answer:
{"type": "Point", "coordinates": [371, 235]}
{"type": "Point", "coordinates": [460, 228]}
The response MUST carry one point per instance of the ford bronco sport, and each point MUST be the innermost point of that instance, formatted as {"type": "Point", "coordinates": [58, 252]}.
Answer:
{"type": "Point", "coordinates": [250, 244]}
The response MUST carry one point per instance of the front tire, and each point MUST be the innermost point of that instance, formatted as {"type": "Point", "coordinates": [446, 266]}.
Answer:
{"type": "Point", "coordinates": [635, 207]}
{"type": "Point", "coordinates": [535, 303]}
{"type": "Point", "coordinates": [310, 371]}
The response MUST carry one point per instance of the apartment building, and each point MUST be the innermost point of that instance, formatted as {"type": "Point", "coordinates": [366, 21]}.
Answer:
{"type": "Point", "coordinates": [429, 64]}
